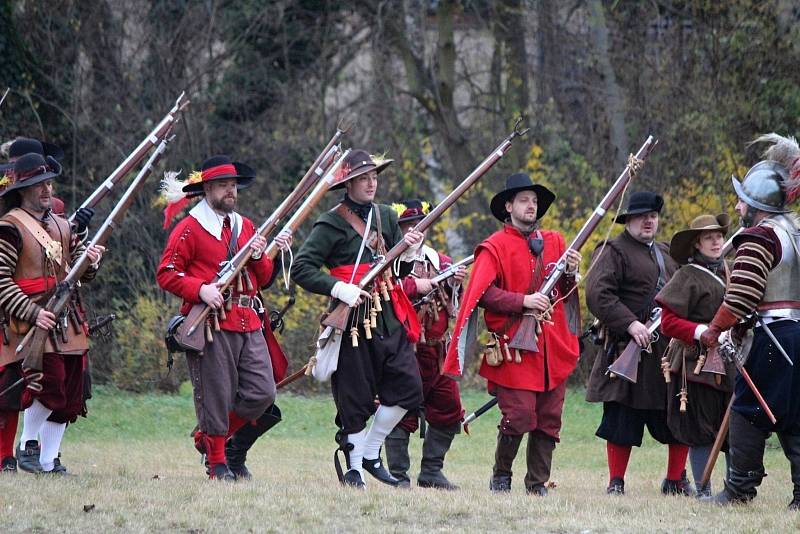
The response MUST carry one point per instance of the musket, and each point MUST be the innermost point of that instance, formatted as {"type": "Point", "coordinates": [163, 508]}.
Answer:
{"type": "Point", "coordinates": [337, 319]}
{"type": "Point", "coordinates": [189, 335]}
{"type": "Point", "coordinates": [153, 138]}
{"type": "Point", "coordinates": [526, 336]}
{"type": "Point", "coordinates": [441, 277]}
{"type": "Point", "coordinates": [627, 363]}
{"type": "Point", "coordinates": [477, 413]}
{"type": "Point", "coordinates": [31, 348]}
{"type": "Point", "coordinates": [292, 377]}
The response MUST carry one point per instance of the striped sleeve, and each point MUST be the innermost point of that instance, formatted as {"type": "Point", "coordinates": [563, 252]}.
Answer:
{"type": "Point", "coordinates": [12, 300]}
{"type": "Point", "coordinates": [755, 257]}
{"type": "Point", "coordinates": [77, 246]}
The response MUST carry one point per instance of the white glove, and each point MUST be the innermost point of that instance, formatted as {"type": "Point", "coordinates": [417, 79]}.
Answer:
{"type": "Point", "coordinates": [347, 293]}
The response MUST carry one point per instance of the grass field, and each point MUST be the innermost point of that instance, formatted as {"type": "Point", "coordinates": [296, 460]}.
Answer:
{"type": "Point", "coordinates": [137, 471]}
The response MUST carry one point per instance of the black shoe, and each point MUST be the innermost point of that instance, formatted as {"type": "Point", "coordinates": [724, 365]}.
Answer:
{"type": "Point", "coordinates": [440, 482]}
{"type": "Point", "coordinates": [539, 490]}
{"type": "Point", "coordinates": [500, 484]}
{"type": "Point", "coordinates": [616, 487]}
{"type": "Point", "coordinates": [352, 478]}
{"type": "Point", "coordinates": [222, 473]}
{"type": "Point", "coordinates": [680, 487]}
{"type": "Point", "coordinates": [376, 469]}
{"type": "Point", "coordinates": [28, 458]}
{"type": "Point", "coordinates": [794, 505]}
{"type": "Point", "coordinates": [724, 498]}
{"type": "Point", "coordinates": [58, 468]}
{"type": "Point", "coordinates": [9, 465]}
{"type": "Point", "coordinates": [241, 472]}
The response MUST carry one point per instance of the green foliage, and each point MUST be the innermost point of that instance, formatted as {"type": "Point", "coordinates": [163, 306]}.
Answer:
{"type": "Point", "coordinates": [140, 357]}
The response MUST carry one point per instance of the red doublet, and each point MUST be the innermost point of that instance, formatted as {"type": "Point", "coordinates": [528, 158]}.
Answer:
{"type": "Point", "coordinates": [192, 258]}
{"type": "Point", "coordinates": [437, 328]}
{"type": "Point", "coordinates": [505, 260]}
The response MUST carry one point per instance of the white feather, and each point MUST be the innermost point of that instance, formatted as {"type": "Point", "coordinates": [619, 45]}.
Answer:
{"type": "Point", "coordinates": [172, 188]}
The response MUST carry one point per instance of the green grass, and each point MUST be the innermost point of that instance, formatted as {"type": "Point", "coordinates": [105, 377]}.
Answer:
{"type": "Point", "coordinates": [135, 463]}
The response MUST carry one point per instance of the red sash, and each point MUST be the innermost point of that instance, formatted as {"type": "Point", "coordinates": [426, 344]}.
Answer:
{"type": "Point", "coordinates": [403, 309]}
{"type": "Point", "coordinates": [32, 286]}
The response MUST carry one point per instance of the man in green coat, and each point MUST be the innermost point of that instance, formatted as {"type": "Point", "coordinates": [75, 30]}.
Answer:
{"type": "Point", "coordinates": [376, 358]}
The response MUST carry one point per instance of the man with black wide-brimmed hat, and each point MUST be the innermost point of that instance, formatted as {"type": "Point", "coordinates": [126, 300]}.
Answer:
{"type": "Point", "coordinates": [36, 249]}
{"type": "Point", "coordinates": [346, 240]}
{"type": "Point", "coordinates": [620, 292]}
{"type": "Point", "coordinates": [510, 266]}
{"type": "Point", "coordinates": [232, 378]}
{"type": "Point", "coordinates": [441, 409]}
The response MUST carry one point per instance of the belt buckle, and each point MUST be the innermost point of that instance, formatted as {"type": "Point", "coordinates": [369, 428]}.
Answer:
{"type": "Point", "coordinates": [243, 301]}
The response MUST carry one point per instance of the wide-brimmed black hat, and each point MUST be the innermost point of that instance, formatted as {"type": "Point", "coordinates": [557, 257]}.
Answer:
{"type": "Point", "coordinates": [26, 145]}
{"type": "Point", "coordinates": [681, 247]}
{"type": "Point", "coordinates": [641, 202]}
{"type": "Point", "coordinates": [411, 210]}
{"type": "Point", "coordinates": [359, 162]}
{"type": "Point", "coordinates": [220, 168]}
{"type": "Point", "coordinates": [32, 169]}
{"type": "Point", "coordinates": [514, 184]}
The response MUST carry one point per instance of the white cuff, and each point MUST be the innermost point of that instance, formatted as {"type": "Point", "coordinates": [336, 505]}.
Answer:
{"type": "Point", "coordinates": [347, 293]}
{"type": "Point", "coordinates": [698, 331]}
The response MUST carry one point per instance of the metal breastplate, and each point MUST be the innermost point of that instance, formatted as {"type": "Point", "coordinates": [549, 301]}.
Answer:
{"type": "Point", "coordinates": [782, 294]}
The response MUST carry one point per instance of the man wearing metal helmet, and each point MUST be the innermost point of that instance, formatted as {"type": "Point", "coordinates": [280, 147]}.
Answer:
{"type": "Point", "coordinates": [762, 297]}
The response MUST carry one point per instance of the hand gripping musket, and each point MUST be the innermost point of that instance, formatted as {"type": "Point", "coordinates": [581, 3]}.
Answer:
{"type": "Point", "coordinates": [162, 129]}
{"type": "Point", "coordinates": [31, 348]}
{"type": "Point", "coordinates": [337, 319]}
{"type": "Point", "coordinates": [441, 277]}
{"type": "Point", "coordinates": [627, 363]}
{"type": "Point", "coordinates": [525, 338]}
{"type": "Point", "coordinates": [189, 335]}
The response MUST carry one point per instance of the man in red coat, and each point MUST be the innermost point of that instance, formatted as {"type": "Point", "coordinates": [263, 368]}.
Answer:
{"type": "Point", "coordinates": [232, 378]}
{"type": "Point", "coordinates": [441, 408]}
{"type": "Point", "coordinates": [510, 266]}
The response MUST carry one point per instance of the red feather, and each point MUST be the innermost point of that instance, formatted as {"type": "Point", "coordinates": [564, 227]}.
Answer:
{"type": "Point", "coordinates": [172, 210]}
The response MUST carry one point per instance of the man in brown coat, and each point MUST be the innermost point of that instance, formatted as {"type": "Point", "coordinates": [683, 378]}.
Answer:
{"type": "Point", "coordinates": [620, 292]}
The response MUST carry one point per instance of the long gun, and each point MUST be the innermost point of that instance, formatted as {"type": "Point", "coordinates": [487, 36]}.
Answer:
{"type": "Point", "coordinates": [189, 335]}
{"type": "Point", "coordinates": [31, 348]}
{"type": "Point", "coordinates": [153, 138]}
{"type": "Point", "coordinates": [441, 277]}
{"type": "Point", "coordinates": [526, 336]}
{"type": "Point", "coordinates": [626, 365]}
{"type": "Point", "coordinates": [337, 319]}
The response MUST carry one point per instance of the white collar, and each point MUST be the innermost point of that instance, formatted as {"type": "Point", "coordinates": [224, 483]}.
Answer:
{"type": "Point", "coordinates": [425, 252]}
{"type": "Point", "coordinates": [211, 221]}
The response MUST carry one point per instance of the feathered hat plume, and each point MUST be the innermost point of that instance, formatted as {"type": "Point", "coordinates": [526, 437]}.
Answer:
{"type": "Point", "coordinates": [173, 196]}
{"type": "Point", "coordinates": [785, 151]}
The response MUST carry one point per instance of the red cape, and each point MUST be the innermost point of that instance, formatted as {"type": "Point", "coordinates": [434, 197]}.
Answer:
{"type": "Point", "coordinates": [505, 260]}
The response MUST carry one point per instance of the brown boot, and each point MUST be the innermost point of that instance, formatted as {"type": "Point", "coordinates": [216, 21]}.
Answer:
{"type": "Point", "coordinates": [507, 447]}
{"type": "Point", "coordinates": [540, 458]}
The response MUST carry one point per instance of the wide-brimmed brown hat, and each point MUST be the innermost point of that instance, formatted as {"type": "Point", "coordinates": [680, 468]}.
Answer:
{"type": "Point", "coordinates": [681, 248]}
{"type": "Point", "coordinates": [360, 162]}
{"type": "Point", "coordinates": [32, 169]}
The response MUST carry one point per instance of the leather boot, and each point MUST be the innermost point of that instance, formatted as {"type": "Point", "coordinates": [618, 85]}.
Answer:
{"type": "Point", "coordinates": [746, 451]}
{"type": "Point", "coordinates": [434, 448]}
{"type": "Point", "coordinates": [791, 449]}
{"type": "Point", "coordinates": [240, 442]}
{"type": "Point", "coordinates": [504, 454]}
{"type": "Point", "coordinates": [397, 459]}
{"type": "Point", "coordinates": [539, 457]}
